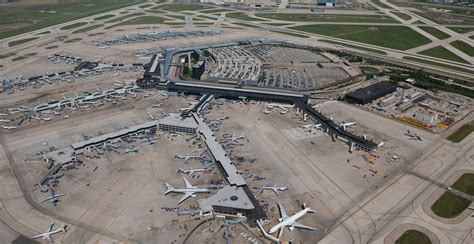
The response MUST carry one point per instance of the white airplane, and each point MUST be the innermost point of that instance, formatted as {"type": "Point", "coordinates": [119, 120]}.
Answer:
{"type": "Point", "coordinates": [9, 127]}
{"type": "Point", "coordinates": [4, 120]}
{"type": "Point", "coordinates": [290, 221]}
{"type": "Point", "coordinates": [311, 126]}
{"type": "Point", "coordinates": [46, 118]}
{"type": "Point", "coordinates": [187, 157]}
{"type": "Point", "coordinates": [132, 148]}
{"type": "Point", "coordinates": [348, 124]}
{"type": "Point", "coordinates": [234, 137]}
{"type": "Point", "coordinates": [53, 197]}
{"type": "Point", "coordinates": [413, 136]}
{"type": "Point", "coordinates": [47, 235]}
{"type": "Point", "coordinates": [151, 116]}
{"type": "Point", "coordinates": [189, 191]}
{"type": "Point", "coordinates": [189, 171]}
{"type": "Point", "coordinates": [156, 105]}
{"type": "Point", "coordinates": [65, 117]}
{"type": "Point", "coordinates": [281, 106]}
{"type": "Point", "coordinates": [104, 47]}
{"type": "Point", "coordinates": [275, 188]}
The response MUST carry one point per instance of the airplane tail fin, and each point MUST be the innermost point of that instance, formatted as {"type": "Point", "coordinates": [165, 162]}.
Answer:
{"type": "Point", "coordinates": [63, 227]}
{"type": "Point", "coordinates": [308, 206]}
{"type": "Point", "coordinates": [169, 188]}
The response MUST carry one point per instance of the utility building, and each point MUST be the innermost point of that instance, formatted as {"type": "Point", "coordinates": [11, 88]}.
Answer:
{"type": "Point", "coordinates": [370, 93]}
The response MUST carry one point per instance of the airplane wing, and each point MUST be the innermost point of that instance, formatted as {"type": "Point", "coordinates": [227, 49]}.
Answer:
{"type": "Point", "coordinates": [302, 226]}
{"type": "Point", "coordinates": [47, 199]}
{"type": "Point", "coordinates": [283, 214]}
{"type": "Point", "coordinates": [186, 196]}
{"type": "Point", "coordinates": [275, 190]}
{"type": "Point", "coordinates": [186, 182]}
{"type": "Point", "coordinates": [50, 227]}
{"type": "Point", "coordinates": [48, 237]}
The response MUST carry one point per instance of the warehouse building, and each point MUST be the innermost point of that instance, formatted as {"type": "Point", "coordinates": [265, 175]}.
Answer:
{"type": "Point", "coordinates": [370, 93]}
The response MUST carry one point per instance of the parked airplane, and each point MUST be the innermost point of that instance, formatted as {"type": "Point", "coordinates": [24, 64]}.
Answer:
{"type": "Point", "coordinates": [151, 116]}
{"type": "Point", "coordinates": [189, 170]}
{"type": "Point", "coordinates": [189, 191]}
{"type": "Point", "coordinates": [413, 136]}
{"type": "Point", "coordinates": [348, 124]}
{"type": "Point", "coordinates": [4, 120]}
{"type": "Point", "coordinates": [187, 157]}
{"type": "Point", "coordinates": [53, 197]}
{"type": "Point", "coordinates": [156, 105]}
{"type": "Point", "coordinates": [281, 106]}
{"type": "Point", "coordinates": [311, 126]}
{"type": "Point", "coordinates": [47, 235]}
{"type": "Point", "coordinates": [9, 127]}
{"type": "Point", "coordinates": [275, 188]}
{"type": "Point", "coordinates": [132, 148]}
{"type": "Point", "coordinates": [104, 47]}
{"type": "Point", "coordinates": [290, 221]}
{"type": "Point", "coordinates": [234, 137]}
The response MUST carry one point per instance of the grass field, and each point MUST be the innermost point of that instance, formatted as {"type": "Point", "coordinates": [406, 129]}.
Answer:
{"type": "Point", "coordinates": [24, 56]}
{"type": "Point", "coordinates": [207, 17]}
{"type": "Point", "coordinates": [278, 24]}
{"type": "Point", "coordinates": [465, 183]}
{"type": "Point", "coordinates": [88, 28]}
{"type": "Point", "coordinates": [356, 47]}
{"type": "Point", "coordinates": [447, 66]}
{"type": "Point", "coordinates": [72, 40]}
{"type": "Point", "coordinates": [72, 26]}
{"type": "Point", "coordinates": [176, 7]}
{"type": "Point", "coordinates": [328, 17]}
{"type": "Point", "coordinates": [123, 18]}
{"type": "Point", "coordinates": [449, 205]}
{"type": "Point", "coordinates": [144, 20]}
{"type": "Point", "coordinates": [107, 16]}
{"type": "Point", "coordinates": [217, 10]}
{"type": "Point", "coordinates": [23, 19]}
{"type": "Point", "coordinates": [464, 47]}
{"type": "Point", "coordinates": [6, 55]}
{"type": "Point", "coordinates": [402, 15]}
{"type": "Point", "coordinates": [291, 34]}
{"type": "Point", "coordinates": [21, 41]}
{"type": "Point", "coordinates": [462, 133]}
{"type": "Point", "coordinates": [42, 33]}
{"type": "Point", "coordinates": [413, 237]}
{"type": "Point", "coordinates": [241, 16]}
{"type": "Point", "coordinates": [381, 4]}
{"type": "Point", "coordinates": [461, 30]}
{"type": "Point", "coordinates": [396, 37]}
{"type": "Point", "coordinates": [435, 32]}
{"type": "Point", "coordinates": [443, 53]}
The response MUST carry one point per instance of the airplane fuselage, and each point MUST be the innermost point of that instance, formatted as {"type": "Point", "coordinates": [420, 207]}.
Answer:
{"type": "Point", "coordinates": [289, 221]}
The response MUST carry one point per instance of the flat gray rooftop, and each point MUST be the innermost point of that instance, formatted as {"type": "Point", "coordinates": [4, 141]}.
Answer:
{"type": "Point", "coordinates": [229, 196]}
{"type": "Point", "coordinates": [219, 153]}
{"type": "Point", "coordinates": [178, 120]}
{"type": "Point", "coordinates": [113, 135]}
